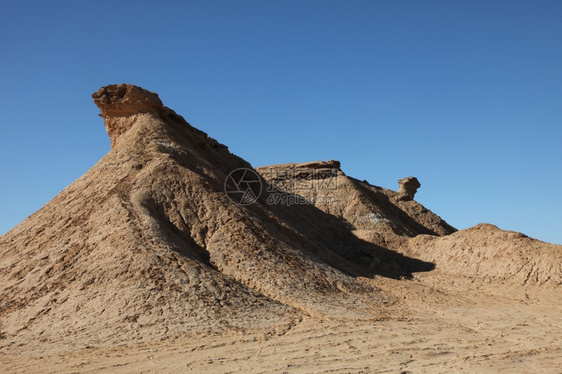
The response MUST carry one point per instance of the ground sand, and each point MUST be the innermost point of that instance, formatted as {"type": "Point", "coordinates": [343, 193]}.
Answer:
{"type": "Point", "coordinates": [439, 325]}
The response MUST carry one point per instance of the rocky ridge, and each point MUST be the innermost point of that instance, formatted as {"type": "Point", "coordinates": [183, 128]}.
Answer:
{"type": "Point", "coordinates": [148, 245]}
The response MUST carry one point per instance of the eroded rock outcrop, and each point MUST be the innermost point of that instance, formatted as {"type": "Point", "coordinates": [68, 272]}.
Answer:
{"type": "Point", "coordinates": [408, 187]}
{"type": "Point", "coordinates": [380, 215]}
{"type": "Point", "coordinates": [121, 104]}
{"type": "Point", "coordinates": [147, 245]}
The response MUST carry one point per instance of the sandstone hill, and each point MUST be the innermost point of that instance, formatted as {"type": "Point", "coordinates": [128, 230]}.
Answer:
{"type": "Point", "coordinates": [148, 245]}
{"type": "Point", "coordinates": [393, 220]}
{"type": "Point", "coordinates": [388, 215]}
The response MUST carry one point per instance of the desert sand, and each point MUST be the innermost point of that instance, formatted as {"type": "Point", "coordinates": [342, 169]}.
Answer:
{"type": "Point", "coordinates": [437, 326]}
{"type": "Point", "coordinates": [162, 259]}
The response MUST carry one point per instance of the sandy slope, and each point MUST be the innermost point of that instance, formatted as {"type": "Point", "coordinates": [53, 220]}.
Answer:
{"type": "Point", "coordinates": [438, 327]}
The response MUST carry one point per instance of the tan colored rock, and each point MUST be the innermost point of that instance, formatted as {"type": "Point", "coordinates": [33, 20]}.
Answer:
{"type": "Point", "coordinates": [408, 187]}
{"type": "Point", "coordinates": [364, 206]}
{"type": "Point", "coordinates": [147, 246]}
{"type": "Point", "coordinates": [122, 104]}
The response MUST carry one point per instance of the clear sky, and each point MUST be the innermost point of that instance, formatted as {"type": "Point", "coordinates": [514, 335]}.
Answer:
{"type": "Point", "coordinates": [466, 95]}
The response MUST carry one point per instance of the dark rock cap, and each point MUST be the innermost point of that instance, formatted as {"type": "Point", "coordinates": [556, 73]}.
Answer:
{"type": "Point", "coordinates": [122, 100]}
{"type": "Point", "coordinates": [119, 103]}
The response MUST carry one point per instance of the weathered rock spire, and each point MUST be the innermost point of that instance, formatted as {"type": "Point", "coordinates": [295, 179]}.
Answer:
{"type": "Point", "coordinates": [120, 103]}
{"type": "Point", "coordinates": [408, 187]}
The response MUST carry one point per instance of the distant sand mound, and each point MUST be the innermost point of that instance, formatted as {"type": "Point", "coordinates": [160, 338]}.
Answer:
{"type": "Point", "coordinates": [488, 253]}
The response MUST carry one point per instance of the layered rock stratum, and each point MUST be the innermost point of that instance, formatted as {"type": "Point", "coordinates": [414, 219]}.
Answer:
{"type": "Point", "coordinates": [148, 245]}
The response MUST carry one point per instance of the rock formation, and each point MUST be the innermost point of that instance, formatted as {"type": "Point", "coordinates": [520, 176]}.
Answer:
{"type": "Point", "coordinates": [408, 187]}
{"type": "Point", "coordinates": [123, 104]}
{"type": "Point", "coordinates": [148, 241]}
{"type": "Point", "coordinates": [147, 244]}
{"type": "Point", "coordinates": [377, 214]}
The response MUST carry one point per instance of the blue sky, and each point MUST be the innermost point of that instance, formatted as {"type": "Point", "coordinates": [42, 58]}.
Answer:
{"type": "Point", "coordinates": [464, 95]}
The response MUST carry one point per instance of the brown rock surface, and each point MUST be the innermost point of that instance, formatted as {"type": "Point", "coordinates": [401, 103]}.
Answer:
{"type": "Point", "coordinates": [147, 244]}
{"type": "Point", "coordinates": [408, 187]}
{"type": "Point", "coordinates": [145, 264]}
{"type": "Point", "coordinates": [123, 104]}
{"type": "Point", "coordinates": [365, 207]}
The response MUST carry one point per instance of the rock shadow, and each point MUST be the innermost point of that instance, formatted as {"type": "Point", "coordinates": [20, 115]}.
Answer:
{"type": "Point", "coordinates": [326, 238]}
